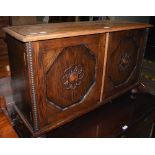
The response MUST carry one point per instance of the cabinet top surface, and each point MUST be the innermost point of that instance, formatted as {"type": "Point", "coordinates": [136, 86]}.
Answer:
{"type": "Point", "coordinates": [27, 33]}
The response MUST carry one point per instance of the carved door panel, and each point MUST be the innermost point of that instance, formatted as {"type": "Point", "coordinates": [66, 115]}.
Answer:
{"type": "Point", "coordinates": [72, 73]}
{"type": "Point", "coordinates": [124, 56]}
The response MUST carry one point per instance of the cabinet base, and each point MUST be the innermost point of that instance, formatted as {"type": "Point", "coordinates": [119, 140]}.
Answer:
{"type": "Point", "coordinates": [108, 120]}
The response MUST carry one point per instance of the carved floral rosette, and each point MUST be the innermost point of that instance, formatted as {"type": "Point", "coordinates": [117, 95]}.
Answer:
{"type": "Point", "coordinates": [73, 76]}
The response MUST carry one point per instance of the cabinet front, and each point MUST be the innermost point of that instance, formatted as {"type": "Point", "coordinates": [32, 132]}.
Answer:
{"type": "Point", "coordinates": [124, 57]}
{"type": "Point", "coordinates": [72, 75]}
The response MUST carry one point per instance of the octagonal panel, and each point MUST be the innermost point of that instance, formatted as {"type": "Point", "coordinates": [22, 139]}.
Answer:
{"type": "Point", "coordinates": [124, 60]}
{"type": "Point", "coordinates": [71, 76]}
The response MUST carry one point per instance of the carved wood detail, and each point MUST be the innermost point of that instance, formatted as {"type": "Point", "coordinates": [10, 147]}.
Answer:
{"type": "Point", "coordinates": [123, 67]}
{"type": "Point", "coordinates": [74, 78]}
{"type": "Point", "coordinates": [124, 61]}
{"type": "Point", "coordinates": [64, 78]}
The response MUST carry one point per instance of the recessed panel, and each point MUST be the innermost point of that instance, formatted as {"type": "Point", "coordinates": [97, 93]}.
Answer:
{"type": "Point", "coordinates": [70, 76]}
{"type": "Point", "coordinates": [123, 61]}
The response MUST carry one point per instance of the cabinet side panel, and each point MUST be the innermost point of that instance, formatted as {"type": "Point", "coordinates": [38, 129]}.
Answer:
{"type": "Point", "coordinates": [19, 76]}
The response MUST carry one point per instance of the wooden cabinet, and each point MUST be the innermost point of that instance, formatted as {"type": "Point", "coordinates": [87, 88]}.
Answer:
{"type": "Point", "coordinates": [61, 71]}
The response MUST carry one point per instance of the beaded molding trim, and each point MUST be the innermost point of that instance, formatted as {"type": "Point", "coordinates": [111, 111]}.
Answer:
{"type": "Point", "coordinates": [33, 93]}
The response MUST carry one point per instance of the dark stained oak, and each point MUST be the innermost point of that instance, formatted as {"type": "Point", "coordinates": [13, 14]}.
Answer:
{"type": "Point", "coordinates": [74, 69]}
{"type": "Point", "coordinates": [70, 29]}
{"type": "Point", "coordinates": [124, 59]}
{"type": "Point", "coordinates": [137, 114]}
{"type": "Point", "coordinates": [108, 121]}
{"type": "Point", "coordinates": [19, 76]}
{"type": "Point", "coordinates": [57, 79]}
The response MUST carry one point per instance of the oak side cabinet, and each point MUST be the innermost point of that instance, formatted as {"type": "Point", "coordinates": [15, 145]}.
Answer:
{"type": "Point", "coordinates": [61, 71]}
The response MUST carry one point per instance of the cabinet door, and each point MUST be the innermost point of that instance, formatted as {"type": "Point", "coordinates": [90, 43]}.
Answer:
{"type": "Point", "coordinates": [124, 58]}
{"type": "Point", "coordinates": [72, 75]}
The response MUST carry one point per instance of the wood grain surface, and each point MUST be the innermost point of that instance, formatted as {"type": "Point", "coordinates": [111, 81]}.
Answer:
{"type": "Point", "coordinates": [59, 30]}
